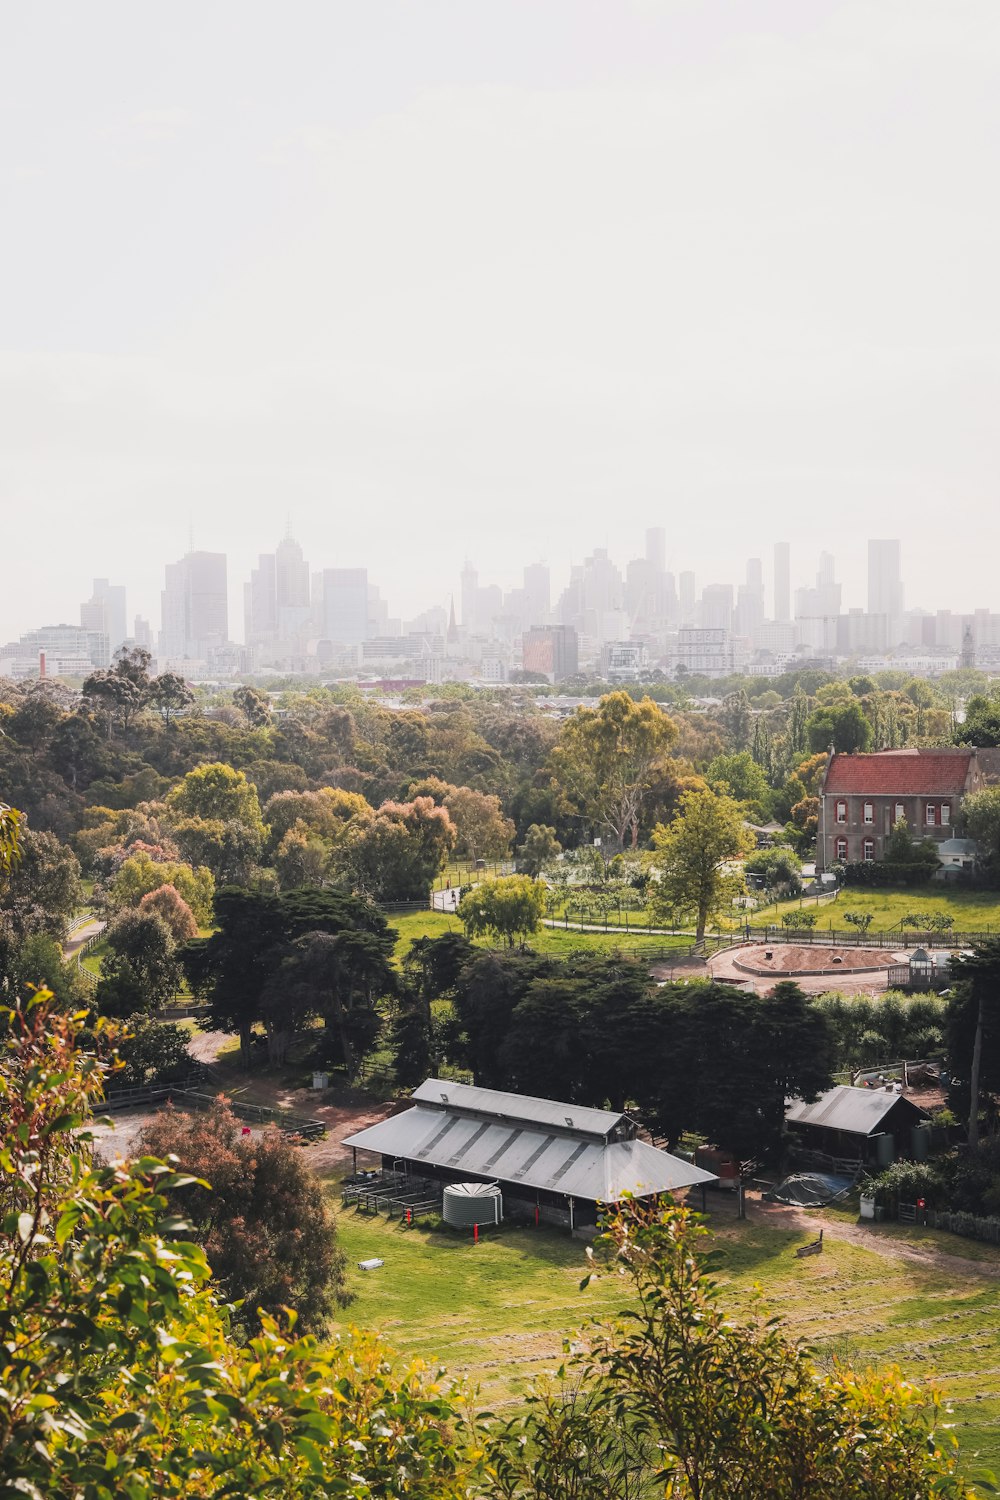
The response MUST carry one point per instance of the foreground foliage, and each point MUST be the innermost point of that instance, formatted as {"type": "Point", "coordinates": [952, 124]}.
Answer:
{"type": "Point", "coordinates": [680, 1400]}
{"type": "Point", "coordinates": [118, 1371]}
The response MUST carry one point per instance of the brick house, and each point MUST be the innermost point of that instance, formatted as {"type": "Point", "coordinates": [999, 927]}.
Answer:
{"type": "Point", "coordinates": [862, 797]}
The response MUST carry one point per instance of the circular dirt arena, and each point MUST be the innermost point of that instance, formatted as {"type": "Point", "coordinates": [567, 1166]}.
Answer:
{"type": "Point", "coordinates": [792, 960]}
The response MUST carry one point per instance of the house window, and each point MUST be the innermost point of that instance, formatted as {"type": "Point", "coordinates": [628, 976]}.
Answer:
{"type": "Point", "coordinates": [869, 812]}
{"type": "Point", "coordinates": [945, 814]}
{"type": "Point", "coordinates": [931, 814]}
{"type": "Point", "coordinates": [869, 850]}
{"type": "Point", "coordinates": [841, 849]}
{"type": "Point", "coordinates": [900, 812]}
{"type": "Point", "coordinates": [841, 812]}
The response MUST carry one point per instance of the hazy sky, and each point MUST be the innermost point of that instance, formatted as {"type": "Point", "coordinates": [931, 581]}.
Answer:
{"type": "Point", "coordinates": [507, 280]}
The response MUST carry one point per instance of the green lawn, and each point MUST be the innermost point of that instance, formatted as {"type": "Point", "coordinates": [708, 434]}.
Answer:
{"type": "Point", "coordinates": [973, 911]}
{"type": "Point", "coordinates": [499, 1312]}
{"type": "Point", "coordinates": [546, 939]}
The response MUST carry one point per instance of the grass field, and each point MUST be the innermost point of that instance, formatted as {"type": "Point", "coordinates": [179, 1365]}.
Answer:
{"type": "Point", "coordinates": [499, 1312]}
{"type": "Point", "coordinates": [972, 911]}
{"type": "Point", "coordinates": [545, 940]}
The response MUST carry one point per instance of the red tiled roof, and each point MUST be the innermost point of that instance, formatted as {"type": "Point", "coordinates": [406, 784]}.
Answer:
{"type": "Point", "coordinates": [900, 773]}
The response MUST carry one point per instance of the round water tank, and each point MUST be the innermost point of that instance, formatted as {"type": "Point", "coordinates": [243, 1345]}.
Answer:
{"type": "Point", "coordinates": [468, 1203]}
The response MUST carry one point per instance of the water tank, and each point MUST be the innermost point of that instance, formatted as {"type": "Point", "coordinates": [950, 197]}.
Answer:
{"type": "Point", "coordinates": [468, 1203]}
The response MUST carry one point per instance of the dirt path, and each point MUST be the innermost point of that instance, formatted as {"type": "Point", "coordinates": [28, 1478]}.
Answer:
{"type": "Point", "coordinates": [81, 935]}
{"type": "Point", "coordinates": [870, 1237]}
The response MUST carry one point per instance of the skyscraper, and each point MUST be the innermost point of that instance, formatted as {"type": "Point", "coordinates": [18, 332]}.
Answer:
{"type": "Point", "coordinates": [782, 582]}
{"type": "Point", "coordinates": [538, 593]}
{"type": "Point", "coordinates": [885, 584]}
{"type": "Point", "coordinates": [345, 605]}
{"type": "Point", "coordinates": [656, 547]}
{"type": "Point", "coordinates": [104, 612]}
{"type": "Point", "coordinates": [195, 606]}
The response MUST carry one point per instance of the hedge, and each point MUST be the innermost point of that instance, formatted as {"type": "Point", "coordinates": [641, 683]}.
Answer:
{"type": "Point", "coordinates": [887, 872]}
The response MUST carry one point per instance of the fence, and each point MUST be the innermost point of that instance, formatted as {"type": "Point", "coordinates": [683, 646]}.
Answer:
{"type": "Point", "coordinates": [184, 1092]}
{"type": "Point", "coordinates": [969, 1226]}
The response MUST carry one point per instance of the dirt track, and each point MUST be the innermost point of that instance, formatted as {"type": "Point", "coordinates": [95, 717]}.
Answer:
{"type": "Point", "coordinates": [871, 1237]}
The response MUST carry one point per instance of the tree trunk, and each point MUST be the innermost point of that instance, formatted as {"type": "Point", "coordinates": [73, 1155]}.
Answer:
{"type": "Point", "coordinates": [977, 1058]}
{"type": "Point", "coordinates": [245, 1047]}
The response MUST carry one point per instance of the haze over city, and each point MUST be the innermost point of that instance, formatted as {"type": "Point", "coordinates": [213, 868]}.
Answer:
{"type": "Point", "coordinates": [508, 283]}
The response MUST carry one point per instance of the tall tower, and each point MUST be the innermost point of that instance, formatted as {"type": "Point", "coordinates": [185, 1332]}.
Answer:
{"type": "Point", "coordinates": [656, 547]}
{"type": "Point", "coordinates": [782, 582]}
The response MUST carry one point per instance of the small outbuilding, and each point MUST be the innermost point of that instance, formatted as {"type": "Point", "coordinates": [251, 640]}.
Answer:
{"type": "Point", "coordinates": [873, 1126]}
{"type": "Point", "coordinates": [552, 1161]}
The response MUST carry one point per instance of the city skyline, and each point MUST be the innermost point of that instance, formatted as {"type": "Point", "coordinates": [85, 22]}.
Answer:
{"type": "Point", "coordinates": [615, 617]}
{"type": "Point", "coordinates": [804, 572]}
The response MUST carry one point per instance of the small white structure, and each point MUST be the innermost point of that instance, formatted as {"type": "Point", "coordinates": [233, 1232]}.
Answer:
{"type": "Point", "coordinates": [468, 1203]}
{"type": "Point", "coordinates": [371, 1265]}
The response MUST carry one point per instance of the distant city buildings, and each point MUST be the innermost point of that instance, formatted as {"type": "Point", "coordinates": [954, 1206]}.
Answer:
{"type": "Point", "coordinates": [622, 621]}
{"type": "Point", "coordinates": [195, 608]}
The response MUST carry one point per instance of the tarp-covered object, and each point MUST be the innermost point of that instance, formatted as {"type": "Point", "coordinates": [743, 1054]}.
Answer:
{"type": "Point", "coordinates": [810, 1189]}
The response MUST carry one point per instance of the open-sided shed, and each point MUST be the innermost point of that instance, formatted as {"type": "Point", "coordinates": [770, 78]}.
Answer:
{"type": "Point", "coordinates": [560, 1160]}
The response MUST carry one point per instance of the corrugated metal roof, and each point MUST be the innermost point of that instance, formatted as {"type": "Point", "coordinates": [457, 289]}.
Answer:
{"type": "Point", "coordinates": [530, 1156]}
{"type": "Point", "coordinates": [858, 1111]}
{"type": "Point", "coordinates": [443, 1093]}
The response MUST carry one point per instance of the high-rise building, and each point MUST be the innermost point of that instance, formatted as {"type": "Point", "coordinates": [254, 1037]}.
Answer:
{"type": "Point", "coordinates": [538, 593]}
{"type": "Point", "coordinates": [782, 582]}
{"type": "Point", "coordinates": [717, 606]}
{"type": "Point", "coordinates": [345, 606]}
{"type": "Point", "coordinates": [195, 606]}
{"type": "Point", "coordinates": [656, 547]}
{"type": "Point", "coordinates": [260, 603]}
{"type": "Point", "coordinates": [885, 583]}
{"type": "Point", "coordinates": [142, 633]}
{"type": "Point", "coordinates": [104, 613]}
{"type": "Point", "coordinates": [470, 598]}
{"type": "Point", "coordinates": [291, 576]}
{"type": "Point", "coordinates": [687, 595]}
{"type": "Point", "coordinates": [552, 651]}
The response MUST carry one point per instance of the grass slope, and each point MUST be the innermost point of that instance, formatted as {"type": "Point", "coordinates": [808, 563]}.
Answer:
{"type": "Point", "coordinates": [545, 940]}
{"type": "Point", "coordinates": [499, 1312]}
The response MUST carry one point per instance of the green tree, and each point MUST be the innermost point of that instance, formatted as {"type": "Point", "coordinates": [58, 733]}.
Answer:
{"type": "Point", "coordinates": [122, 691]}
{"type": "Point", "coordinates": [974, 1026]}
{"type": "Point", "coordinates": [42, 889]}
{"type": "Point", "coordinates": [481, 829]}
{"type": "Point", "coordinates": [397, 855]}
{"type": "Point", "coordinates": [981, 725]}
{"type": "Point", "coordinates": [694, 858]}
{"type": "Point", "coordinates": [152, 1052]}
{"type": "Point", "coordinates": [842, 724]}
{"type": "Point", "coordinates": [728, 1061]}
{"type": "Point", "coordinates": [682, 1398]}
{"type": "Point", "coordinates": [217, 793]}
{"type": "Point", "coordinates": [508, 909]}
{"type": "Point", "coordinates": [608, 760]}
{"type": "Point", "coordinates": [170, 695]}
{"type": "Point", "coordinates": [739, 776]}
{"type": "Point", "coordinates": [981, 820]}
{"type": "Point", "coordinates": [119, 1367]}
{"type": "Point", "coordinates": [799, 919]}
{"type": "Point", "coordinates": [141, 874]}
{"type": "Point", "coordinates": [141, 970]}
{"type": "Point", "coordinates": [254, 705]}
{"type": "Point", "coordinates": [539, 849]}
{"type": "Point", "coordinates": [862, 920]}
{"type": "Point", "coordinates": [265, 1222]}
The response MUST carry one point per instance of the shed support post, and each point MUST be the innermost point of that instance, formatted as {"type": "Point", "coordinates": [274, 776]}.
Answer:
{"type": "Point", "coordinates": [704, 1200]}
{"type": "Point", "coordinates": [571, 1224]}
{"type": "Point", "coordinates": [354, 1161]}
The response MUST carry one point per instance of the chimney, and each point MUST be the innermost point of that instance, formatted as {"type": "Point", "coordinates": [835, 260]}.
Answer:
{"type": "Point", "coordinates": [41, 665]}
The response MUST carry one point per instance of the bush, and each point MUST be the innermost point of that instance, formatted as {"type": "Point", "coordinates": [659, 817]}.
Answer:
{"type": "Point", "coordinates": [885, 872]}
{"type": "Point", "coordinates": [906, 1181]}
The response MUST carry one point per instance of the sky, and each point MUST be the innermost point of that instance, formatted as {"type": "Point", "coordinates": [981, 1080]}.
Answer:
{"type": "Point", "coordinates": [432, 280]}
